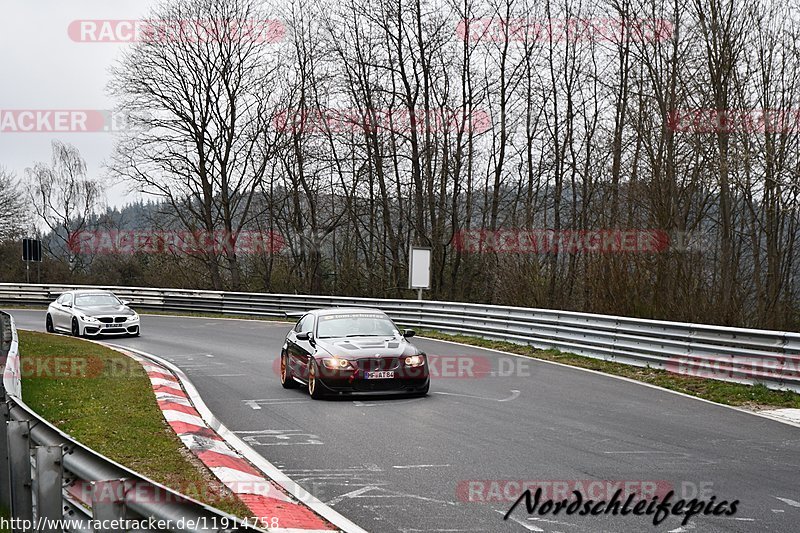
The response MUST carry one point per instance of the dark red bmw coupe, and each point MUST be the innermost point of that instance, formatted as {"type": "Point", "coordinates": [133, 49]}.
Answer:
{"type": "Point", "coordinates": [352, 350]}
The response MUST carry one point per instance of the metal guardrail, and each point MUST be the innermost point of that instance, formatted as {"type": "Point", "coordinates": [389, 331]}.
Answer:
{"type": "Point", "coordinates": [730, 354]}
{"type": "Point", "coordinates": [51, 482]}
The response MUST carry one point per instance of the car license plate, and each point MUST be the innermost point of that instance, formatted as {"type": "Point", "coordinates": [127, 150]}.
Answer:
{"type": "Point", "coordinates": [379, 374]}
{"type": "Point", "coordinates": [108, 325]}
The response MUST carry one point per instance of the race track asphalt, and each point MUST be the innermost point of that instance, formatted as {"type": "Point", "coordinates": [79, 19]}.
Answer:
{"type": "Point", "coordinates": [412, 465]}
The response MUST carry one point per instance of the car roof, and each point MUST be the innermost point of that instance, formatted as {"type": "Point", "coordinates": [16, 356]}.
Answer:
{"type": "Point", "coordinates": [340, 310]}
{"type": "Point", "coordinates": [82, 292]}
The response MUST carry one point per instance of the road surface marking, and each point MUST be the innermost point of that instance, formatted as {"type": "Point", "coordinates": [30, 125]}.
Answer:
{"type": "Point", "coordinates": [384, 493]}
{"type": "Point", "coordinates": [278, 437]}
{"type": "Point", "coordinates": [514, 395]}
{"type": "Point", "coordinates": [351, 494]}
{"type": "Point", "coordinates": [788, 501]}
{"type": "Point", "coordinates": [256, 404]}
{"type": "Point", "coordinates": [529, 527]}
{"type": "Point", "coordinates": [418, 466]}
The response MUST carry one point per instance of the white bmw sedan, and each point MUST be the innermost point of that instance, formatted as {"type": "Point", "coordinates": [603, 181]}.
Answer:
{"type": "Point", "coordinates": [91, 313]}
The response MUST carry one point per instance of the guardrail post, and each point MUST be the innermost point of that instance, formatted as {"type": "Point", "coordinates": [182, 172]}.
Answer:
{"type": "Point", "coordinates": [108, 503]}
{"type": "Point", "coordinates": [49, 481]}
{"type": "Point", "coordinates": [19, 456]}
{"type": "Point", "coordinates": [5, 480]}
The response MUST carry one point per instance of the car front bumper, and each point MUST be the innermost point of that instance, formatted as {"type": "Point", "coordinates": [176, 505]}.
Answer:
{"type": "Point", "coordinates": [94, 329]}
{"type": "Point", "coordinates": [355, 383]}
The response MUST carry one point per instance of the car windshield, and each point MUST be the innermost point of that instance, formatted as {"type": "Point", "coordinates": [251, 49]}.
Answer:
{"type": "Point", "coordinates": [95, 300]}
{"type": "Point", "coordinates": [355, 325]}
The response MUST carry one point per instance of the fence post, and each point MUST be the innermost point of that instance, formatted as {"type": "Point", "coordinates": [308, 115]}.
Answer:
{"type": "Point", "coordinates": [5, 479]}
{"type": "Point", "coordinates": [49, 480]}
{"type": "Point", "coordinates": [108, 503]}
{"type": "Point", "coordinates": [19, 456]}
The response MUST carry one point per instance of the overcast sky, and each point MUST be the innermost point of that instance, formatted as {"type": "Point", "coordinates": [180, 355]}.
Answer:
{"type": "Point", "coordinates": [44, 69]}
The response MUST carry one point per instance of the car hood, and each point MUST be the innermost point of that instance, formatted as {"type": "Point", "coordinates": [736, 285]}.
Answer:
{"type": "Point", "coordinates": [101, 310]}
{"type": "Point", "coordinates": [360, 347]}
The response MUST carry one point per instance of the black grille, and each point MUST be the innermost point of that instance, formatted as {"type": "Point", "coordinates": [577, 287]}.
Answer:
{"type": "Point", "coordinates": [106, 319]}
{"type": "Point", "coordinates": [378, 363]}
{"type": "Point", "coordinates": [119, 319]}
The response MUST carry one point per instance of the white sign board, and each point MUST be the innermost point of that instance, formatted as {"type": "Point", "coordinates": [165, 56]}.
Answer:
{"type": "Point", "coordinates": [419, 268]}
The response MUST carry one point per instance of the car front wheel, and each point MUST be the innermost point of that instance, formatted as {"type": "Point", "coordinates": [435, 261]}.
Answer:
{"type": "Point", "coordinates": [76, 329]}
{"type": "Point", "coordinates": [314, 387]}
{"type": "Point", "coordinates": [287, 380]}
{"type": "Point", "coordinates": [48, 324]}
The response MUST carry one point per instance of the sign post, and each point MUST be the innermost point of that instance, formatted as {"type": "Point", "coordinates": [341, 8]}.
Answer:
{"type": "Point", "coordinates": [32, 252]}
{"type": "Point", "coordinates": [419, 269]}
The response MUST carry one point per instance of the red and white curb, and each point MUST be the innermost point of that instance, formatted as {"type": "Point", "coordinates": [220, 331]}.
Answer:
{"type": "Point", "coordinates": [278, 510]}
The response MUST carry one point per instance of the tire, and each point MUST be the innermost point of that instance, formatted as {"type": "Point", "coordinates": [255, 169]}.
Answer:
{"type": "Point", "coordinates": [315, 390]}
{"type": "Point", "coordinates": [287, 381]}
{"type": "Point", "coordinates": [48, 324]}
{"type": "Point", "coordinates": [76, 329]}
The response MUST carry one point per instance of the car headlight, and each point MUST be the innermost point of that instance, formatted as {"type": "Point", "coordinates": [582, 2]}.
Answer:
{"type": "Point", "coordinates": [88, 318]}
{"type": "Point", "coordinates": [333, 363]}
{"type": "Point", "coordinates": [133, 317]}
{"type": "Point", "coordinates": [415, 360]}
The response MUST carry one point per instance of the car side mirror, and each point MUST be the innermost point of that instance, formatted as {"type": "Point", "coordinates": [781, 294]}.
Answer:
{"type": "Point", "coordinates": [67, 305]}
{"type": "Point", "coordinates": [305, 336]}
{"type": "Point", "coordinates": [125, 302]}
{"type": "Point", "coordinates": [408, 333]}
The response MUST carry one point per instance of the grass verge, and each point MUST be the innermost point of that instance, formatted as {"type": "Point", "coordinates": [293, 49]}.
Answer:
{"type": "Point", "coordinates": [754, 397]}
{"type": "Point", "coordinates": [104, 400]}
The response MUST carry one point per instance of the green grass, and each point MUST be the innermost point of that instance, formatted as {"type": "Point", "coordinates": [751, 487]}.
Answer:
{"type": "Point", "coordinates": [750, 396]}
{"type": "Point", "coordinates": [104, 400]}
{"type": "Point", "coordinates": [5, 513]}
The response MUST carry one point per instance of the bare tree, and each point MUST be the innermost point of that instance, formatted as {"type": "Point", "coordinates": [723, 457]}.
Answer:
{"type": "Point", "coordinates": [199, 98]}
{"type": "Point", "coordinates": [64, 199]}
{"type": "Point", "coordinates": [13, 209]}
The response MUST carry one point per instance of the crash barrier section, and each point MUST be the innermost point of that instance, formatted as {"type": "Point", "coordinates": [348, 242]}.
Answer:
{"type": "Point", "coordinates": [730, 354]}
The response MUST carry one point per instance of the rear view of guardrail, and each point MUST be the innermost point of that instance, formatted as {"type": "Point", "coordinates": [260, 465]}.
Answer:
{"type": "Point", "coordinates": [730, 354]}
{"type": "Point", "coordinates": [50, 482]}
